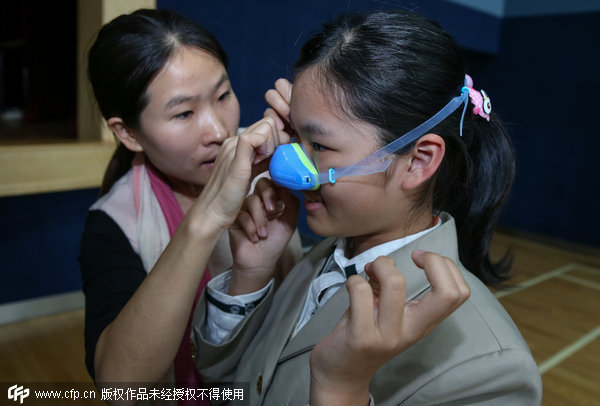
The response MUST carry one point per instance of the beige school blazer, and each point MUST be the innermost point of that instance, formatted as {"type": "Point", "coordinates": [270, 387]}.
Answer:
{"type": "Point", "coordinates": [476, 356]}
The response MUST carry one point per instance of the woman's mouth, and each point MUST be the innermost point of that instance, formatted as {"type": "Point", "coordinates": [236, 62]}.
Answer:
{"type": "Point", "coordinates": [209, 164]}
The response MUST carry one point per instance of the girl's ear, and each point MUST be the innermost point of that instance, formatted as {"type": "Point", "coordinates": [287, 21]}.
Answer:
{"type": "Point", "coordinates": [124, 133]}
{"type": "Point", "coordinates": [425, 159]}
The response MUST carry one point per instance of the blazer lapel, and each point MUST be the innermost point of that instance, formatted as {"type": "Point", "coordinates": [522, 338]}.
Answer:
{"type": "Point", "coordinates": [289, 301]}
{"type": "Point", "coordinates": [321, 324]}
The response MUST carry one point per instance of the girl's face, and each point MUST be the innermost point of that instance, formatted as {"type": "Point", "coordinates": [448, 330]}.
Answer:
{"type": "Point", "coordinates": [192, 109]}
{"type": "Point", "coordinates": [368, 208]}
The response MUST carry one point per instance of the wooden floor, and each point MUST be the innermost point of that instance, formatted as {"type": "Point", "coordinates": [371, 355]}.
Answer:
{"type": "Point", "coordinates": [554, 298]}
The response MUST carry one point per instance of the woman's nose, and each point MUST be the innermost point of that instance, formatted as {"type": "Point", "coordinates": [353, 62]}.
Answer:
{"type": "Point", "coordinates": [213, 128]}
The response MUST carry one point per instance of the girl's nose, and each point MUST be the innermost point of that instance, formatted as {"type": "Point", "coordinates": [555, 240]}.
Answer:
{"type": "Point", "coordinates": [307, 146]}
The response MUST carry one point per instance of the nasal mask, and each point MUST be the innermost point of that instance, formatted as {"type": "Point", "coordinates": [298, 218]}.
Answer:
{"type": "Point", "coordinates": [292, 168]}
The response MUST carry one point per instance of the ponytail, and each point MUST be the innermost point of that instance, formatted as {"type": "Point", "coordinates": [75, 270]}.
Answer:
{"type": "Point", "coordinates": [483, 172]}
{"type": "Point", "coordinates": [119, 164]}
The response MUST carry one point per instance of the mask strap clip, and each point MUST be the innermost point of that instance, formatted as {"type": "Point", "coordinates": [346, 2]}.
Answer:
{"type": "Point", "coordinates": [331, 175]}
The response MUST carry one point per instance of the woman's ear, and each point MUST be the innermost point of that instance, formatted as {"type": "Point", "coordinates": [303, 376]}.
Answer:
{"type": "Point", "coordinates": [425, 159]}
{"type": "Point", "coordinates": [124, 133]}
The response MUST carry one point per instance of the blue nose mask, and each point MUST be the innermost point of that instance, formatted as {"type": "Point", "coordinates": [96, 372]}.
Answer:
{"type": "Point", "coordinates": [292, 168]}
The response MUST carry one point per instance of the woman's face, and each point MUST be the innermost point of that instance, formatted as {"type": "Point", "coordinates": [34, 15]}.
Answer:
{"type": "Point", "coordinates": [192, 109]}
{"type": "Point", "coordinates": [368, 208]}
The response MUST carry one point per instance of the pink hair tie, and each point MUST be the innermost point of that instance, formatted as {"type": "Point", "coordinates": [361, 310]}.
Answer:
{"type": "Point", "coordinates": [483, 104]}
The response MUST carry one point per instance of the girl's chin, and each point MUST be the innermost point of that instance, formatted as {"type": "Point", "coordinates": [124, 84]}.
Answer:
{"type": "Point", "coordinates": [318, 228]}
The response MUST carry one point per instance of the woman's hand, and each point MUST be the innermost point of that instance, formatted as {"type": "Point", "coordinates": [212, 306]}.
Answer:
{"type": "Point", "coordinates": [279, 99]}
{"type": "Point", "coordinates": [379, 325]}
{"type": "Point", "coordinates": [239, 160]}
{"type": "Point", "coordinates": [260, 235]}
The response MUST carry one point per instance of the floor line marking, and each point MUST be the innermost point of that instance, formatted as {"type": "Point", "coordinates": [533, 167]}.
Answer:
{"type": "Point", "coordinates": [534, 281]}
{"type": "Point", "coordinates": [569, 350]}
{"type": "Point", "coordinates": [580, 281]}
{"type": "Point", "coordinates": [588, 269]}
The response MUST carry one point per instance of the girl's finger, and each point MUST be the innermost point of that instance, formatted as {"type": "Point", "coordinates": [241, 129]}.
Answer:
{"type": "Point", "coordinates": [256, 210]}
{"type": "Point", "coordinates": [373, 280]}
{"type": "Point", "coordinates": [463, 288]}
{"type": "Point", "coordinates": [245, 222]}
{"type": "Point", "coordinates": [442, 280]}
{"type": "Point", "coordinates": [443, 298]}
{"type": "Point", "coordinates": [391, 296]}
{"type": "Point", "coordinates": [361, 311]}
{"type": "Point", "coordinates": [267, 192]}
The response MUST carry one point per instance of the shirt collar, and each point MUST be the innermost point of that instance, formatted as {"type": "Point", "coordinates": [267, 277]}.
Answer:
{"type": "Point", "coordinates": [371, 254]}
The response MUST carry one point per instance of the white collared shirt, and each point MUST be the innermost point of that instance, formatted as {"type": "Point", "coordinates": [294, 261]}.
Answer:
{"type": "Point", "coordinates": [220, 323]}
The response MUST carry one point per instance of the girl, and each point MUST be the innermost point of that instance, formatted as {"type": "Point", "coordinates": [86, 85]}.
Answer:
{"type": "Point", "coordinates": [365, 85]}
{"type": "Point", "coordinates": [161, 84]}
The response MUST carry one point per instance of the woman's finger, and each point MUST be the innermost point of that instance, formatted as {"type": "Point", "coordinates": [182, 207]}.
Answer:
{"type": "Point", "coordinates": [269, 112]}
{"type": "Point", "coordinates": [284, 87]}
{"type": "Point", "coordinates": [278, 104]}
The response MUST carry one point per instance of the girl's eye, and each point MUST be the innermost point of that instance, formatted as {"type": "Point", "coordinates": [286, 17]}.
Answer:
{"type": "Point", "coordinates": [317, 147]}
{"type": "Point", "coordinates": [225, 96]}
{"type": "Point", "coordinates": [183, 115]}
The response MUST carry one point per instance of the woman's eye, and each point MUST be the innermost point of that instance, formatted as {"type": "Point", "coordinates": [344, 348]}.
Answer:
{"type": "Point", "coordinates": [183, 115]}
{"type": "Point", "coordinates": [317, 147]}
{"type": "Point", "coordinates": [225, 95]}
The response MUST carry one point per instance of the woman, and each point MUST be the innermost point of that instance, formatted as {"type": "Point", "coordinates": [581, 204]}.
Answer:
{"type": "Point", "coordinates": [161, 84]}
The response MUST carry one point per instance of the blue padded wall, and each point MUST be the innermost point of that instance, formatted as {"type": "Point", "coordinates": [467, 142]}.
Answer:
{"type": "Point", "coordinates": [39, 245]}
{"type": "Point", "coordinates": [541, 73]}
{"type": "Point", "coordinates": [544, 82]}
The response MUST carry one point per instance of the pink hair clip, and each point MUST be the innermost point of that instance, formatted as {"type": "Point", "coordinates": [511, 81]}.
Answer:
{"type": "Point", "coordinates": [483, 104]}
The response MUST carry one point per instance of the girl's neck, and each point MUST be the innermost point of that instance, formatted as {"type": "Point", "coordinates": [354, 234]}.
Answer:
{"type": "Point", "coordinates": [359, 244]}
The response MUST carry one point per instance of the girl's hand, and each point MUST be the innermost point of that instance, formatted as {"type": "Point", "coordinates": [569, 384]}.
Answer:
{"type": "Point", "coordinates": [379, 325]}
{"type": "Point", "coordinates": [279, 99]}
{"type": "Point", "coordinates": [260, 235]}
{"type": "Point", "coordinates": [239, 160]}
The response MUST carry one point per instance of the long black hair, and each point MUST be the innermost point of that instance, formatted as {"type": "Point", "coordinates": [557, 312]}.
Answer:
{"type": "Point", "coordinates": [394, 70]}
{"type": "Point", "coordinates": [125, 57]}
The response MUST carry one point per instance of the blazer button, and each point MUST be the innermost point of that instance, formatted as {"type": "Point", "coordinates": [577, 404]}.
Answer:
{"type": "Point", "coordinates": [193, 350]}
{"type": "Point", "coordinates": [259, 384]}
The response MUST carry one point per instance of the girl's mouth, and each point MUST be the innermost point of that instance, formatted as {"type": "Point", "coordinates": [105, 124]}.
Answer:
{"type": "Point", "coordinates": [313, 203]}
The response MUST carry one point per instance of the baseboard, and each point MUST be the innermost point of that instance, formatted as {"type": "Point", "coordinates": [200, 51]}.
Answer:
{"type": "Point", "coordinates": [551, 241]}
{"type": "Point", "coordinates": [43, 306]}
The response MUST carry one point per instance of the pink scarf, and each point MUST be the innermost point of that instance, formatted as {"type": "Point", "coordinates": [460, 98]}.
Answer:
{"type": "Point", "coordinates": [185, 370]}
